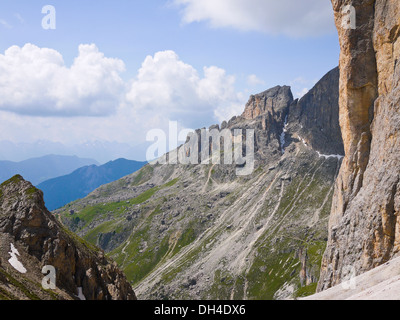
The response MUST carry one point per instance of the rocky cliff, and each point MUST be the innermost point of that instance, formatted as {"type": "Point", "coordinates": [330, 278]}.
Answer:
{"type": "Point", "coordinates": [317, 115]}
{"type": "Point", "coordinates": [271, 109]}
{"type": "Point", "coordinates": [203, 232]}
{"type": "Point", "coordinates": [31, 238]}
{"type": "Point", "coordinates": [274, 101]}
{"type": "Point", "coordinates": [364, 228]}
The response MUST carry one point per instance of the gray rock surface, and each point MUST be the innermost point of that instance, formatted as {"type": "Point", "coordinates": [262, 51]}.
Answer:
{"type": "Point", "coordinates": [364, 228]}
{"type": "Point", "coordinates": [203, 232]}
{"type": "Point", "coordinates": [27, 226]}
{"type": "Point", "coordinates": [317, 114]}
{"type": "Point", "coordinates": [381, 283]}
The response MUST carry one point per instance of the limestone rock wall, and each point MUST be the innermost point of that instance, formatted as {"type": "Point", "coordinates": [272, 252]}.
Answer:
{"type": "Point", "coordinates": [317, 115]}
{"type": "Point", "coordinates": [273, 101]}
{"type": "Point", "coordinates": [364, 228]}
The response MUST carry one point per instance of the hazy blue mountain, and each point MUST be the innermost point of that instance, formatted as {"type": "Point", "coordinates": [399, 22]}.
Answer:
{"type": "Point", "coordinates": [102, 151]}
{"type": "Point", "coordinates": [62, 190]}
{"type": "Point", "coordinates": [44, 168]}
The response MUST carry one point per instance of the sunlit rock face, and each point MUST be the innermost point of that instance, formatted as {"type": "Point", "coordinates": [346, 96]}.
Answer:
{"type": "Point", "coordinates": [364, 228]}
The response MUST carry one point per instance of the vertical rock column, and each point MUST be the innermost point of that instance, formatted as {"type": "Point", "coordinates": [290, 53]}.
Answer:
{"type": "Point", "coordinates": [363, 228]}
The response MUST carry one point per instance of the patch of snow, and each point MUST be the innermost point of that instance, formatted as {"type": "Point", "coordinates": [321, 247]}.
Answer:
{"type": "Point", "coordinates": [283, 135]}
{"type": "Point", "coordinates": [80, 294]}
{"type": "Point", "coordinates": [304, 142]}
{"type": "Point", "coordinates": [17, 265]}
{"type": "Point", "coordinates": [326, 156]}
{"type": "Point", "coordinates": [337, 156]}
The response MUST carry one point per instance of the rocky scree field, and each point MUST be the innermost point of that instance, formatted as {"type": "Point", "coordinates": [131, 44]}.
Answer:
{"type": "Point", "coordinates": [202, 232]}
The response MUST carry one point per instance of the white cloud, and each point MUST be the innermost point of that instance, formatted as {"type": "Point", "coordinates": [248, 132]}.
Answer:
{"type": "Point", "coordinates": [43, 99]}
{"type": "Point", "coordinates": [300, 94]}
{"type": "Point", "coordinates": [170, 88]}
{"type": "Point", "coordinates": [36, 81]}
{"type": "Point", "coordinates": [227, 112]}
{"type": "Point", "coordinates": [253, 80]}
{"type": "Point", "coordinates": [289, 17]}
{"type": "Point", "coordinates": [301, 86]}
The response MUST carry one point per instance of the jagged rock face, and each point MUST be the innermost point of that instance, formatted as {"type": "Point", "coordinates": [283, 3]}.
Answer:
{"type": "Point", "coordinates": [274, 101]}
{"type": "Point", "coordinates": [269, 109]}
{"type": "Point", "coordinates": [317, 114]}
{"type": "Point", "coordinates": [41, 241]}
{"type": "Point", "coordinates": [364, 227]}
{"type": "Point", "coordinates": [202, 232]}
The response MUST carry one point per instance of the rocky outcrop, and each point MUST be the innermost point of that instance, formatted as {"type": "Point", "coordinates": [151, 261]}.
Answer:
{"type": "Point", "coordinates": [317, 115]}
{"type": "Point", "coordinates": [203, 232]}
{"type": "Point", "coordinates": [364, 229]}
{"type": "Point", "coordinates": [269, 109]}
{"type": "Point", "coordinates": [273, 101]}
{"type": "Point", "coordinates": [314, 118]}
{"type": "Point", "coordinates": [40, 240]}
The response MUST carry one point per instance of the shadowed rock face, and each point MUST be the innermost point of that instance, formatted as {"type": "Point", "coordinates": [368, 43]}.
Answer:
{"type": "Point", "coordinates": [26, 224]}
{"type": "Point", "coordinates": [317, 113]}
{"type": "Point", "coordinates": [364, 227]}
{"type": "Point", "coordinates": [314, 117]}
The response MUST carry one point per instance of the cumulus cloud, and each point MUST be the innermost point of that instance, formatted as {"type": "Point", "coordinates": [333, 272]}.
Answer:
{"type": "Point", "coordinates": [168, 87]}
{"type": "Point", "coordinates": [253, 80]}
{"type": "Point", "coordinates": [36, 81]}
{"type": "Point", "coordinates": [289, 17]}
{"type": "Point", "coordinates": [39, 94]}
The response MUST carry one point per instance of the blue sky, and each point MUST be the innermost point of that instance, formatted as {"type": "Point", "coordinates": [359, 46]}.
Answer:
{"type": "Point", "coordinates": [202, 58]}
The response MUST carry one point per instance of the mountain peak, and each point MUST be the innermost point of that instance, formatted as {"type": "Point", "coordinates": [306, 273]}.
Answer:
{"type": "Point", "coordinates": [316, 115]}
{"type": "Point", "coordinates": [276, 99]}
{"type": "Point", "coordinates": [25, 190]}
{"type": "Point", "coordinates": [37, 239]}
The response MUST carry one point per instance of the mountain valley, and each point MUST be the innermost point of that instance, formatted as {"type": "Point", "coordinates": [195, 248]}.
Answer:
{"type": "Point", "coordinates": [202, 232]}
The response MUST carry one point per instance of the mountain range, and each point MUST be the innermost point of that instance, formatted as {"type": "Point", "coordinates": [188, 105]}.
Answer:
{"type": "Point", "coordinates": [320, 212]}
{"type": "Point", "coordinates": [203, 232]}
{"type": "Point", "coordinates": [37, 170]}
{"type": "Point", "coordinates": [78, 184]}
{"type": "Point", "coordinates": [364, 226]}
{"type": "Point", "coordinates": [102, 151]}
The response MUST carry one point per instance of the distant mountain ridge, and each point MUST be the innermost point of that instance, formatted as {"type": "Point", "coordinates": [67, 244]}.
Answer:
{"type": "Point", "coordinates": [102, 151]}
{"type": "Point", "coordinates": [44, 168]}
{"type": "Point", "coordinates": [62, 190]}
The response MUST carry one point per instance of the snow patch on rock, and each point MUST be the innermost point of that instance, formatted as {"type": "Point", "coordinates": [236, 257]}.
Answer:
{"type": "Point", "coordinates": [16, 264]}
